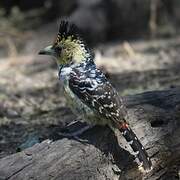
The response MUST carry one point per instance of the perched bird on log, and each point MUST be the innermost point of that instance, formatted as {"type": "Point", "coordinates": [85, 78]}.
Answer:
{"type": "Point", "coordinates": [88, 92]}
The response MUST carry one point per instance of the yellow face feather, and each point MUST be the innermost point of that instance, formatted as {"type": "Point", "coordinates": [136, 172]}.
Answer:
{"type": "Point", "coordinates": [71, 50]}
{"type": "Point", "coordinates": [68, 46]}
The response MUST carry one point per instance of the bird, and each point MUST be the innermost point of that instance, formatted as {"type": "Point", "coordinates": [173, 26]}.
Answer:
{"type": "Point", "coordinates": [88, 92]}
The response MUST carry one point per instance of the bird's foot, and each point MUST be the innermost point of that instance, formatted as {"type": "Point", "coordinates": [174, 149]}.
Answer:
{"type": "Point", "coordinates": [76, 134]}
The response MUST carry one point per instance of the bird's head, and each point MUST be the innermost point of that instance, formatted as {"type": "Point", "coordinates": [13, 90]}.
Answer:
{"type": "Point", "coordinates": [68, 46]}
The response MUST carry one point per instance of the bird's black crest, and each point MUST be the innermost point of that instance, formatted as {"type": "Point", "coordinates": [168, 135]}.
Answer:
{"type": "Point", "coordinates": [67, 29]}
{"type": "Point", "coordinates": [70, 30]}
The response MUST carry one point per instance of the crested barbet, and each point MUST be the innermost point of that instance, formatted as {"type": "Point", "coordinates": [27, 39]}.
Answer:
{"type": "Point", "coordinates": [89, 94]}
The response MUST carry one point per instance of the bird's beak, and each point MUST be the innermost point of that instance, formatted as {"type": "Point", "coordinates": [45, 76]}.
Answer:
{"type": "Point", "coordinates": [47, 51]}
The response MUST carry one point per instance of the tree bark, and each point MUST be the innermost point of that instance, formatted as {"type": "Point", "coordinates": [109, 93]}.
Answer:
{"type": "Point", "coordinates": [154, 118]}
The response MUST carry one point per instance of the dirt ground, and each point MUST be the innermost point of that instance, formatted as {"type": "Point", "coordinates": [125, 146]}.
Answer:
{"type": "Point", "coordinates": [32, 106]}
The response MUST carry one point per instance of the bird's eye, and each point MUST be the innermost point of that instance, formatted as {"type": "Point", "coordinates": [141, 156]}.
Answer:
{"type": "Point", "coordinates": [58, 49]}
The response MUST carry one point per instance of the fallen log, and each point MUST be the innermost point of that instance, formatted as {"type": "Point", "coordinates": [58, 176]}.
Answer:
{"type": "Point", "coordinates": [154, 116]}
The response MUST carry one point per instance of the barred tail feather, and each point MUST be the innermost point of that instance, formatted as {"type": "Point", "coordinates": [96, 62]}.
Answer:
{"type": "Point", "coordinates": [139, 150]}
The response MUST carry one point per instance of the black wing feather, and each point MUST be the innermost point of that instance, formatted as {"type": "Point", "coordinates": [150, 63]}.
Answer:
{"type": "Point", "coordinates": [97, 93]}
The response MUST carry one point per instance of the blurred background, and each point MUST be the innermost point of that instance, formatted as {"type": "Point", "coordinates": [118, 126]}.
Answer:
{"type": "Point", "coordinates": [136, 43]}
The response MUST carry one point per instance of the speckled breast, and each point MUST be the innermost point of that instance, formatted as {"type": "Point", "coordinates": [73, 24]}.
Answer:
{"type": "Point", "coordinates": [78, 108]}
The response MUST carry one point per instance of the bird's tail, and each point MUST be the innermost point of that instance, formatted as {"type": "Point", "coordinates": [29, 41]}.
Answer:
{"type": "Point", "coordinates": [140, 153]}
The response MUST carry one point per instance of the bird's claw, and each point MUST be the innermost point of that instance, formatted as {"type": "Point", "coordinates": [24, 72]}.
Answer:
{"type": "Point", "coordinates": [76, 134]}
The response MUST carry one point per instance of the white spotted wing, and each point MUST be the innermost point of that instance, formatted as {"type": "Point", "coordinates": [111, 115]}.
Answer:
{"type": "Point", "coordinates": [93, 89]}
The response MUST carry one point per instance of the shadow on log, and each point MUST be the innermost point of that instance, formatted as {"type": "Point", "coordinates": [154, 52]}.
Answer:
{"type": "Point", "coordinates": [154, 116]}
